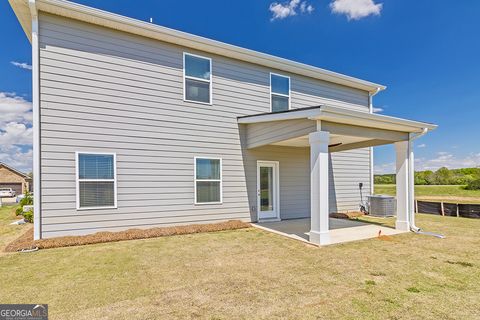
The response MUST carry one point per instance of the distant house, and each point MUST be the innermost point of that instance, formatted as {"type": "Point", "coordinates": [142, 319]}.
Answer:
{"type": "Point", "coordinates": [12, 178]}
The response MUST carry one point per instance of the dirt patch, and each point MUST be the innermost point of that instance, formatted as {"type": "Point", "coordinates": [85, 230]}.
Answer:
{"type": "Point", "coordinates": [384, 237]}
{"type": "Point", "coordinates": [26, 240]}
{"type": "Point", "coordinates": [346, 215]}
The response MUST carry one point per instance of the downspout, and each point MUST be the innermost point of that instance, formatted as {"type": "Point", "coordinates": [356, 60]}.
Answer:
{"type": "Point", "coordinates": [411, 186]}
{"type": "Point", "coordinates": [36, 122]}
{"type": "Point", "coordinates": [372, 174]}
{"type": "Point", "coordinates": [411, 178]}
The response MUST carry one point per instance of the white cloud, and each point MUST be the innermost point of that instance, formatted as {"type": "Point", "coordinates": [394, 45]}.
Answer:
{"type": "Point", "coordinates": [384, 168]}
{"type": "Point", "coordinates": [356, 9]}
{"type": "Point", "coordinates": [446, 159]}
{"type": "Point", "coordinates": [375, 109]}
{"type": "Point", "coordinates": [289, 8]}
{"type": "Point", "coordinates": [15, 157]}
{"type": "Point", "coordinates": [442, 159]}
{"type": "Point", "coordinates": [15, 134]}
{"type": "Point", "coordinates": [306, 8]}
{"type": "Point", "coordinates": [14, 108]}
{"type": "Point", "coordinates": [423, 145]}
{"type": "Point", "coordinates": [22, 65]}
{"type": "Point", "coordinates": [15, 131]}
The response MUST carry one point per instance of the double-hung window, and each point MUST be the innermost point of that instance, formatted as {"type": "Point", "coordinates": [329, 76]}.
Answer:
{"type": "Point", "coordinates": [279, 92]}
{"type": "Point", "coordinates": [208, 180]}
{"type": "Point", "coordinates": [197, 78]}
{"type": "Point", "coordinates": [96, 180]}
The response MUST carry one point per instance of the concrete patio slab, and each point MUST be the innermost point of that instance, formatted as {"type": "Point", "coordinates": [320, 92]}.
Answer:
{"type": "Point", "coordinates": [341, 230]}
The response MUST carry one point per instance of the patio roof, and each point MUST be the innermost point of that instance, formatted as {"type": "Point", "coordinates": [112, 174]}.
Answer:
{"type": "Point", "coordinates": [342, 115]}
{"type": "Point", "coordinates": [349, 129]}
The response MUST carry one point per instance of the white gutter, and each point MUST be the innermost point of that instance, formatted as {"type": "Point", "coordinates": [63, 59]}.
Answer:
{"type": "Point", "coordinates": [372, 173]}
{"type": "Point", "coordinates": [411, 178]}
{"type": "Point", "coordinates": [36, 121]}
{"type": "Point", "coordinates": [76, 11]}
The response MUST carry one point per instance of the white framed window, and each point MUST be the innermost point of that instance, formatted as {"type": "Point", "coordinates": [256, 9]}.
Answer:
{"type": "Point", "coordinates": [197, 78]}
{"type": "Point", "coordinates": [96, 180]}
{"type": "Point", "coordinates": [279, 92]}
{"type": "Point", "coordinates": [208, 180]}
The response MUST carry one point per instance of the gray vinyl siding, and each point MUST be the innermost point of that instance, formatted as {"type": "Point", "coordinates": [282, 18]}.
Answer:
{"type": "Point", "coordinates": [347, 169]}
{"type": "Point", "coordinates": [264, 133]}
{"type": "Point", "coordinates": [106, 91]}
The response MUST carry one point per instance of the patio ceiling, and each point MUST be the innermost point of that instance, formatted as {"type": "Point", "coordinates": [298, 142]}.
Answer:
{"type": "Point", "coordinates": [348, 129]}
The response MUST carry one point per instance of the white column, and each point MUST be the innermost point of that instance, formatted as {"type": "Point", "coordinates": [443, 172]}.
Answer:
{"type": "Point", "coordinates": [319, 202]}
{"type": "Point", "coordinates": [402, 149]}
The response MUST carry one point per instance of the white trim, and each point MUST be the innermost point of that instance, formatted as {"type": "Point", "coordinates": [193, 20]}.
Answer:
{"type": "Point", "coordinates": [90, 15]}
{"type": "Point", "coordinates": [289, 96]}
{"type": "Point", "coordinates": [78, 180]}
{"type": "Point", "coordinates": [345, 116]}
{"type": "Point", "coordinates": [276, 187]}
{"type": "Point", "coordinates": [185, 77]}
{"type": "Point", "coordinates": [280, 116]}
{"type": "Point", "coordinates": [37, 206]}
{"type": "Point", "coordinates": [208, 180]}
{"type": "Point", "coordinates": [372, 165]}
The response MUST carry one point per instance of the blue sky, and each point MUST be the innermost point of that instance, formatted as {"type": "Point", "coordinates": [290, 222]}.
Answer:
{"type": "Point", "coordinates": [426, 52]}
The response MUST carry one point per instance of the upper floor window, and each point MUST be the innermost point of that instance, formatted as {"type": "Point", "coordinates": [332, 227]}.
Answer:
{"type": "Point", "coordinates": [280, 92]}
{"type": "Point", "coordinates": [96, 181]}
{"type": "Point", "coordinates": [197, 78]}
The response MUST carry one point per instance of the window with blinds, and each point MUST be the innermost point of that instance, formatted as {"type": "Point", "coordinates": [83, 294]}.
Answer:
{"type": "Point", "coordinates": [96, 181]}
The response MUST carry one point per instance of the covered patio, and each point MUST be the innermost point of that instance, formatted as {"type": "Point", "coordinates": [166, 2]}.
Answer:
{"type": "Point", "coordinates": [341, 230]}
{"type": "Point", "coordinates": [325, 130]}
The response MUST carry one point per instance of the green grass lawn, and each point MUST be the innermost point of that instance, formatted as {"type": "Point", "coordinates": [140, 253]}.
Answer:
{"type": "Point", "coordinates": [437, 193]}
{"type": "Point", "coordinates": [7, 232]}
{"type": "Point", "coordinates": [250, 273]}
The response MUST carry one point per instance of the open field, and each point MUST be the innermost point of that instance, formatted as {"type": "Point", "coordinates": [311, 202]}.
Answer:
{"type": "Point", "coordinates": [455, 194]}
{"type": "Point", "coordinates": [250, 273]}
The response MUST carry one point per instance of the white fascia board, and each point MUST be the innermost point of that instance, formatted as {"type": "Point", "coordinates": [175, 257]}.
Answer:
{"type": "Point", "coordinates": [110, 20]}
{"type": "Point", "coordinates": [345, 116]}
{"type": "Point", "coordinates": [280, 116]}
{"type": "Point", "coordinates": [366, 119]}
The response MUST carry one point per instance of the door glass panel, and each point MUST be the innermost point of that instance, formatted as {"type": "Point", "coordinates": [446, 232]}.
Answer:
{"type": "Point", "coordinates": [266, 189]}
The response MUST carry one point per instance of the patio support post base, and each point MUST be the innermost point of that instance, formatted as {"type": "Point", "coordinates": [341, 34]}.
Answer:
{"type": "Point", "coordinates": [319, 205]}
{"type": "Point", "coordinates": [320, 238]}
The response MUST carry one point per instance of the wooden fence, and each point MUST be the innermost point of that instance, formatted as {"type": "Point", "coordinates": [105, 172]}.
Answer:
{"type": "Point", "coordinates": [448, 209]}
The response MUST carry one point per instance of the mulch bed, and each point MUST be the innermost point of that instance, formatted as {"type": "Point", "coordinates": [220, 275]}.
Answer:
{"type": "Point", "coordinates": [26, 241]}
{"type": "Point", "coordinates": [346, 215]}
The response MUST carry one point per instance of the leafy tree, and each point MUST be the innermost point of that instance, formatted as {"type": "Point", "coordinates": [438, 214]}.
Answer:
{"type": "Point", "coordinates": [473, 185]}
{"type": "Point", "coordinates": [442, 176]}
{"type": "Point", "coordinates": [384, 179]}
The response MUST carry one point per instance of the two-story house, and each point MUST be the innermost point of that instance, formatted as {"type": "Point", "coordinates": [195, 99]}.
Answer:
{"type": "Point", "coordinates": [137, 126]}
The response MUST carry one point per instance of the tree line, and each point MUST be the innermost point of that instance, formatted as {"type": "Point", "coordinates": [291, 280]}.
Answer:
{"type": "Point", "coordinates": [443, 176]}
